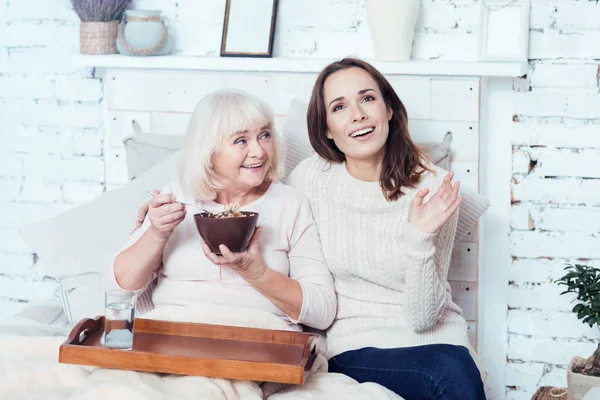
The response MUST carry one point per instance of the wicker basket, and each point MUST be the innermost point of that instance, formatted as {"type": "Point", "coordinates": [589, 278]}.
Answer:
{"type": "Point", "coordinates": [550, 393]}
{"type": "Point", "coordinates": [579, 384]}
{"type": "Point", "coordinates": [98, 37]}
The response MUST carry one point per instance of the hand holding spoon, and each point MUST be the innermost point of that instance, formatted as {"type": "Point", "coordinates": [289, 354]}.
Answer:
{"type": "Point", "coordinates": [186, 204]}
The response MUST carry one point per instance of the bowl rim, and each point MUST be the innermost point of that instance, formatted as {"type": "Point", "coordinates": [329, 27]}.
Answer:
{"type": "Point", "coordinates": [202, 215]}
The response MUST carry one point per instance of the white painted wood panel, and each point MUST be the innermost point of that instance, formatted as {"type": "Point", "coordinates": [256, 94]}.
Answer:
{"type": "Point", "coordinates": [464, 295]}
{"type": "Point", "coordinates": [169, 123]}
{"type": "Point", "coordinates": [465, 136]}
{"type": "Point", "coordinates": [467, 174]}
{"type": "Point", "coordinates": [120, 125]}
{"type": "Point", "coordinates": [415, 94]}
{"type": "Point", "coordinates": [455, 99]}
{"type": "Point", "coordinates": [286, 87]}
{"type": "Point", "coordinates": [116, 166]}
{"type": "Point", "coordinates": [472, 332]}
{"type": "Point", "coordinates": [463, 264]}
{"type": "Point", "coordinates": [176, 92]}
{"type": "Point", "coordinates": [472, 235]}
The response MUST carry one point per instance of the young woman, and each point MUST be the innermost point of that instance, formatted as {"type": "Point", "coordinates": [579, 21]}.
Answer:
{"type": "Point", "coordinates": [386, 218]}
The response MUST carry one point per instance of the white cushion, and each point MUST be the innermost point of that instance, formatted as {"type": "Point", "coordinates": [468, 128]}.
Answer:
{"type": "Point", "coordinates": [79, 245]}
{"type": "Point", "coordinates": [86, 238]}
{"type": "Point", "coordinates": [145, 150]}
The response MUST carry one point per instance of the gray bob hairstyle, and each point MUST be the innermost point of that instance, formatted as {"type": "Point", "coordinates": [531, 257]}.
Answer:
{"type": "Point", "coordinates": [216, 117]}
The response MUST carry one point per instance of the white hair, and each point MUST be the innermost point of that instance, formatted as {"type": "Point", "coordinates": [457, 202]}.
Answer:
{"type": "Point", "coordinates": [216, 117]}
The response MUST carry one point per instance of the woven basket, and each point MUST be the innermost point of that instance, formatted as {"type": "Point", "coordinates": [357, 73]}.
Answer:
{"type": "Point", "coordinates": [579, 384]}
{"type": "Point", "coordinates": [550, 393]}
{"type": "Point", "coordinates": [98, 37]}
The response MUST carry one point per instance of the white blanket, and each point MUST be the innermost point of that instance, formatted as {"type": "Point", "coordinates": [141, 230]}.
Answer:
{"type": "Point", "coordinates": [29, 370]}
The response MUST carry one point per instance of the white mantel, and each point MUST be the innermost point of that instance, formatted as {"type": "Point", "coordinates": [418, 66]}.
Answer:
{"type": "Point", "coordinates": [300, 65]}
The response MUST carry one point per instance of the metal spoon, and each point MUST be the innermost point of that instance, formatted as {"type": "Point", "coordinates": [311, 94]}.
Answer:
{"type": "Point", "coordinates": [186, 204]}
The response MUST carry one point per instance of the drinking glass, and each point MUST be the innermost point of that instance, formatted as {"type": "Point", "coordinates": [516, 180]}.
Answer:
{"type": "Point", "coordinates": [119, 315]}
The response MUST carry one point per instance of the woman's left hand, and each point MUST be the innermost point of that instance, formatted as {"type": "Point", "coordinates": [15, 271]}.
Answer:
{"type": "Point", "coordinates": [248, 264]}
{"type": "Point", "coordinates": [429, 217]}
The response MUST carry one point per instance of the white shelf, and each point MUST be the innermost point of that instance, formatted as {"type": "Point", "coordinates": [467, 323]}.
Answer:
{"type": "Point", "coordinates": [299, 65]}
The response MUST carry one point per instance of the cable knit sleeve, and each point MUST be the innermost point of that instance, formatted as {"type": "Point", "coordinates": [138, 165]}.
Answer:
{"type": "Point", "coordinates": [428, 260]}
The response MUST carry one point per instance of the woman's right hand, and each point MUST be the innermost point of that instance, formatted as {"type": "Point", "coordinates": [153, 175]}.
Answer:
{"type": "Point", "coordinates": [430, 216]}
{"type": "Point", "coordinates": [164, 214]}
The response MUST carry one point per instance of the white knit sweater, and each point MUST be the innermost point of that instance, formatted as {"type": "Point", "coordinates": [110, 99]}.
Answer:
{"type": "Point", "coordinates": [390, 277]}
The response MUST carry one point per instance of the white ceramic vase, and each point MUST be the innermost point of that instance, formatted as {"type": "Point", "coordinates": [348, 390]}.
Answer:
{"type": "Point", "coordinates": [392, 24]}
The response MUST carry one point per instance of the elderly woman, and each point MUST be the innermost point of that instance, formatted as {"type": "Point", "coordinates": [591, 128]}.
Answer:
{"type": "Point", "coordinates": [231, 156]}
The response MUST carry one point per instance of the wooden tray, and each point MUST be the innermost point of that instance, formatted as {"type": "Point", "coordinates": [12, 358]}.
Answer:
{"type": "Point", "coordinates": [197, 349]}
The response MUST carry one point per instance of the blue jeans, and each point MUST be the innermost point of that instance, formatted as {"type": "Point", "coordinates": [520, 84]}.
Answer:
{"type": "Point", "coordinates": [432, 372]}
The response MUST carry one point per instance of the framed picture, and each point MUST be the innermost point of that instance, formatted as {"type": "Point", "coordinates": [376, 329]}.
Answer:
{"type": "Point", "coordinates": [504, 30]}
{"type": "Point", "coordinates": [249, 28]}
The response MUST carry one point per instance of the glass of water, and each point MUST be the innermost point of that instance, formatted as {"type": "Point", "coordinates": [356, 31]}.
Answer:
{"type": "Point", "coordinates": [119, 314]}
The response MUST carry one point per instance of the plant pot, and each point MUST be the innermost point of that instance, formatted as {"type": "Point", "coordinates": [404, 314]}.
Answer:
{"type": "Point", "coordinates": [579, 384]}
{"type": "Point", "coordinates": [392, 24]}
{"type": "Point", "coordinates": [144, 34]}
{"type": "Point", "coordinates": [98, 37]}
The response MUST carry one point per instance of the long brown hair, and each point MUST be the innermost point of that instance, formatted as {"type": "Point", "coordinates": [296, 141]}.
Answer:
{"type": "Point", "coordinates": [403, 163]}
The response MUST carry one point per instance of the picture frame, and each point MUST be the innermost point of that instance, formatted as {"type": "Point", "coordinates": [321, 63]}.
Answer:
{"type": "Point", "coordinates": [249, 28]}
{"type": "Point", "coordinates": [504, 34]}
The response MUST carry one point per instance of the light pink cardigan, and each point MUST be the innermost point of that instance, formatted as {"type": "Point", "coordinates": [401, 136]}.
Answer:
{"type": "Point", "coordinates": [289, 244]}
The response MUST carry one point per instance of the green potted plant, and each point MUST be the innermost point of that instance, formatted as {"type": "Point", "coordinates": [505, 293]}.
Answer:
{"type": "Point", "coordinates": [584, 282]}
{"type": "Point", "coordinates": [99, 24]}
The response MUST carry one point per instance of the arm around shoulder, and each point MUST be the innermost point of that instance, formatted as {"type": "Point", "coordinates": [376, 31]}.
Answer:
{"type": "Point", "coordinates": [136, 264]}
{"type": "Point", "coordinates": [308, 267]}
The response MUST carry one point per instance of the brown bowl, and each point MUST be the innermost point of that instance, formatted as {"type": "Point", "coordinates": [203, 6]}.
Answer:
{"type": "Point", "coordinates": [234, 232]}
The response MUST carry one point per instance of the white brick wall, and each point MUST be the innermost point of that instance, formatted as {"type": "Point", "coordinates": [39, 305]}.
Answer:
{"type": "Point", "coordinates": [556, 186]}
{"type": "Point", "coordinates": [50, 136]}
{"type": "Point", "coordinates": [51, 142]}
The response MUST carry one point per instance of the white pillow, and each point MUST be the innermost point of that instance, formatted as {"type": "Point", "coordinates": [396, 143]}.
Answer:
{"type": "Point", "coordinates": [81, 296]}
{"type": "Point", "coordinates": [79, 245]}
{"type": "Point", "coordinates": [145, 150]}
{"type": "Point", "coordinates": [37, 319]}
{"type": "Point", "coordinates": [86, 238]}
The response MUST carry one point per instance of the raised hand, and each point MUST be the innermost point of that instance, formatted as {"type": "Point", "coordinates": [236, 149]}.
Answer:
{"type": "Point", "coordinates": [430, 216]}
{"type": "Point", "coordinates": [248, 264]}
{"type": "Point", "coordinates": [164, 214]}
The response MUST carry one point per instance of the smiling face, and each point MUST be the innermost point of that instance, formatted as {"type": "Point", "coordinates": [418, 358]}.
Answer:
{"type": "Point", "coordinates": [243, 160]}
{"type": "Point", "coordinates": [357, 115]}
